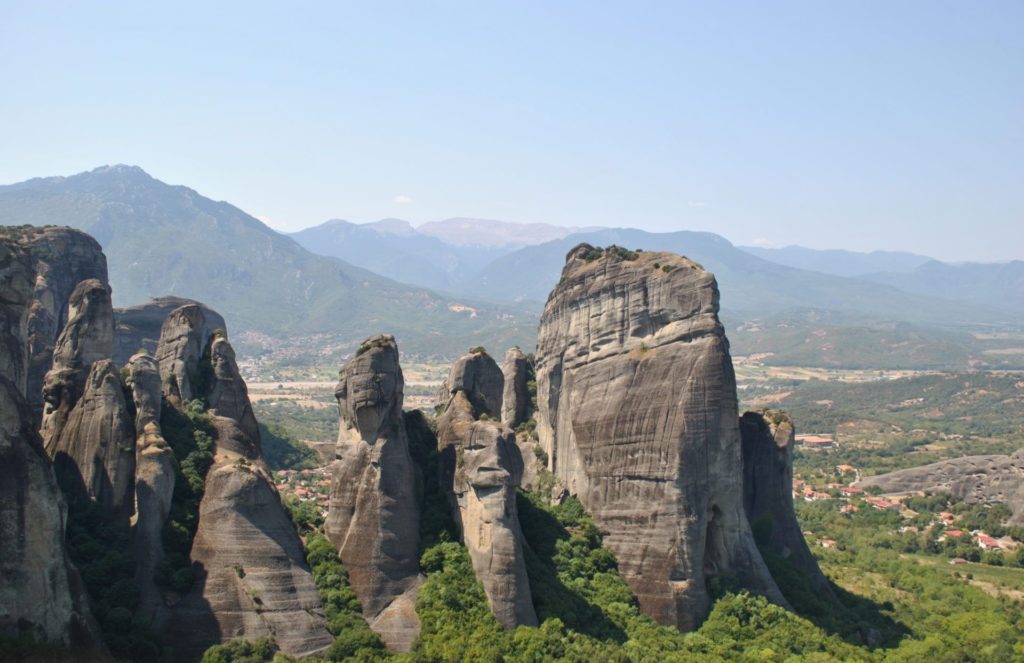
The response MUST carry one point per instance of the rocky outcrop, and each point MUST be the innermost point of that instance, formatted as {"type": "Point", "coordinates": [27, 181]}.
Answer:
{"type": "Point", "coordinates": [481, 469]}
{"type": "Point", "coordinates": [62, 258]}
{"type": "Point", "coordinates": [478, 377]}
{"type": "Point", "coordinates": [183, 340]}
{"type": "Point", "coordinates": [515, 400]}
{"type": "Point", "coordinates": [138, 327]}
{"type": "Point", "coordinates": [975, 479]}
{"type": "Point", "coordinates": [768, 441]}
{"type": "Point", "coordinates": [228, 395]}
{"type": "Point", "coordinates": [86, 338]}
{"type": "Point", "coordinates": [254, 580]}
{"type": "Point", "coordinates": [40, 594]}
{"type": "Point", "coordinates": [374, 518]}
{"type": "Point", "coordinates": [154, 480]}
{"type": "Point", "coordinates": [94, 451]}
{"type": "Point", "coordinates": [637, 414]}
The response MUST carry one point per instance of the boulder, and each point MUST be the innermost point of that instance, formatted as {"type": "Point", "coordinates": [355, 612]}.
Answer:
{"type": "Point", "coordinates": [374, 518]}
{"type": "Point", "coordinates": [138, 327]}
{"type": "Point", "coordinates": [183, 340]}
{"type": "Point", "coordinates": [478, 377]}
{"type": "Point", "coordinates": [228, 395]}
{"type": "Point", "coordinates": [637, 414]}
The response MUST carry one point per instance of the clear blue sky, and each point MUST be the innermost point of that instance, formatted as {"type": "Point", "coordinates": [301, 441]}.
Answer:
{"type": "Point", "coordinates": [861, 125]}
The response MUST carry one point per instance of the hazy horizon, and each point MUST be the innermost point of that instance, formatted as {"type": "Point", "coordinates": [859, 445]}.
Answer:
{"type": "Point", "coordinates": [862, 127]}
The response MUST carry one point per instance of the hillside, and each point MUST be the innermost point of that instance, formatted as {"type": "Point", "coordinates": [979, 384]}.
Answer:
{"type": "Point", "coordinates": [162, 239]}
{"type": "Point", "coordinates": [998, 285]}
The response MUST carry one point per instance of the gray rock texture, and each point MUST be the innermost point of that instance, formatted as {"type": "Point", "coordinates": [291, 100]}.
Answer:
{"type": "Point", "coordinates": [87, 337]}
{"type": "Point", "coordinates": [768, 440]}
{"type": "Point", "coordinates": [481, 468]}
{"type": "Point", "coordinates": [374, 518]}
{"type": "Point", "coordinates": [254, 580]}
{"type": "Point", "coordinates": [17, 274]}
{"type": "Point", "coordinates": [515, 400]}
{"type": "Point", "coordinates": [138, 327]}
{"type": "Point", "coordinates": [637, 413]}
{"type": "Point", "coordinates": [184, 338]}
{"type": "Point", "coordinates": [62, 258]}
{"type": "Point", "coordinates": [154, 480]}
{"type": "Point", "coordinates": [976, 479]}
{"type": "Point", "coordinates": [94, 451]}
{"type": "Point", "coordinates": [228, 395]}
{"type": "Point", "coordinates": [478, 377]}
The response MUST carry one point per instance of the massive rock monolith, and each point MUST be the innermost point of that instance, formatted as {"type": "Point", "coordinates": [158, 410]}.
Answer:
{"type": "Point", "coordinates": [254, 578]}
{"type": "Point", "coordinates": [374, 518]}
{"type": "Point", "coordinates": [987, 479]}
{"type": "Point", "coordinates": [481, 468]}
{"type": "Point", "coordinates": [768, 440]}
{"type": "Point", "coordinates": [638, 416]}
{"type": "Point", "coordinates": [228, 396]}
{"type": "Point", "coordinates": [40, 593]}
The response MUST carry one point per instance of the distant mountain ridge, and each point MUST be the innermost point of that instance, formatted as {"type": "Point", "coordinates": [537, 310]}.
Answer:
{"type": "Point", "coordinates": [462, 231]}
{"type": "Point", "coordinates": [162, 239]}
{"type": "Point", "coordinates": [840, 262]}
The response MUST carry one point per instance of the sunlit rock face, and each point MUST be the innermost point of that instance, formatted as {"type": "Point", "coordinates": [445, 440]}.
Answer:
{"type": "Point", "coordinates": [481, 467]}
{"type": "Point", "coordinates": [515, 400]}
{"type": "Point", "coordinates": [637, 413]}
{"type": "Point", "coordinates": [374, 518]}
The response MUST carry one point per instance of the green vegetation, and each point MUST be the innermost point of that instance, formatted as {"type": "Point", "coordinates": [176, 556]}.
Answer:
{"type": "Point", "coordinates": [280, 451]}
{"type": "Point", "coordinates": [189, 434]}
{"type": "Point", "coordinates": [313, 424]}
{"type": "Point", "coordinates": [241, 651]}
{"type": "Point", "coordinates": [478, 350]}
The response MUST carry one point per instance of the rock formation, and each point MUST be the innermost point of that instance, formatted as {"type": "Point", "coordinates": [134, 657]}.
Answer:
{"type": "Point", "coordinates": [637, 413]}
{"type": "Point", "coordinates": [183, 340]}
{"type": "Point", "coordinates": [255, 580]}
{"type": "Point", "coordinates": [87, 337]}
{"type": "Point", "coordinates": [374, 518]}
{"type": "Point", "coordinates": [62, 258]}
{"type": "Point", "coordinates": [976, 479]}
{"type": "Point", "coordinates": [479, 379]}
{"type": "Point", "coordinates": [228, 395]}
{"type": "Point", "coordinates": [482, 468]}
{"type": "Point", "coordinates": [515, 400]}
{"type": "Point", "coordinates": [138, 327]}
{"type": "Point", "coordinates": [768, 440]}
{"type": "Point", "coordinates": [40, 594]}
{"type": "Point", "coordinates": [154, 480]}
{"type": "Point", "coordinates": [94, 451]}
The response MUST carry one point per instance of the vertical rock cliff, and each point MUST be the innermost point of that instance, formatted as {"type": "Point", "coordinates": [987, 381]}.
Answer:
{"type": "Point", "coordinates": [374, 518]}
{"type": "Point", "coordinates": [40, 594]}
{"type": "Point", "coordinates": [768, 440]}
{"type": "Point", "coordinates": [254, 579]}
{"type": "Point", "coordinates": [138, 327]}
{"type": "Point", "coordinates": [481, 469]}
{"type": "Point", "coordinates": [637, 413]}
{"type": "Point", "coordinates": [515, 400]}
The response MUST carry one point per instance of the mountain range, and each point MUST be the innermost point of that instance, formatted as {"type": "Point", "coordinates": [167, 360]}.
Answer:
{"type": "Point", "coordinates": [457, 283]}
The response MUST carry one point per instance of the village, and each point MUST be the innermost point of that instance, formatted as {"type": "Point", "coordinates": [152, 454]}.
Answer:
{"type": "Point", "coordinates": [311, 486]}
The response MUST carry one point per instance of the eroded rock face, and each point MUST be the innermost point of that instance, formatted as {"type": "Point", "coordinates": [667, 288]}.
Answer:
{"type": "Point", "coordinates": [254, 581]}
{"type": "Point", "coordinates": [374, 518]}
{"type": "Point", "coordinates": [976, 479]}
{"type": "Point", "coordinates": [86, 338]}
{"type": "Point", "coordinates": [637, 413]}
{"type": "Point", "coordinates": [228, 395]}
{"type": "Point", "coordinates": [478, 377]}
{"type": "Point", "coordinates": [38, 588]}
{"type": "Point", "coordinates": [138, 327]}
{"type": "Point", "coordinates": [768, 440]}
{"type": "Point", "coordinates": [154, 480]}
{"type": "Point", "coordinates": [515, 400]}
{"type": "Point", "coordinates": [16, 276]}
{"type": "Point", "coordinates": [62, 258]}
{"type": "Point", "coordinates": [94, 452]}
{"type": "Point", "coordinates": [481, 469]}
{"type": "Point", "coordinates": [183, 339]}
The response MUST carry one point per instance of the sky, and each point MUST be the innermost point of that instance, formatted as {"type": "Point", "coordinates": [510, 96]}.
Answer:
{"type": "Point", "coordinates": [857, 125]}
